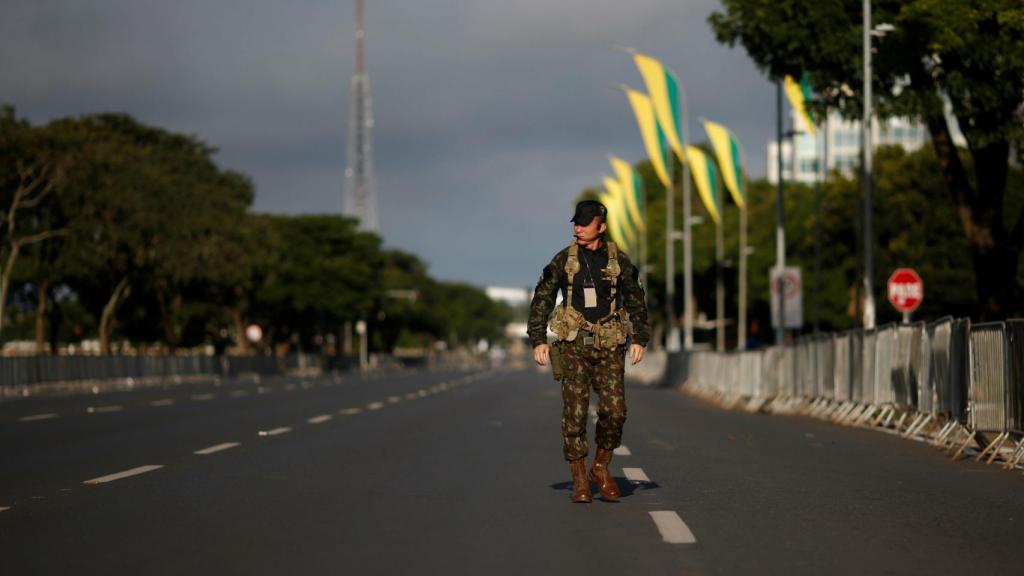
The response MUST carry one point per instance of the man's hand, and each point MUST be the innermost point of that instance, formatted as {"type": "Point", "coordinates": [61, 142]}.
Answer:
{"type": "Point", "coordinates": [636, 353]}
{"type": "Point", "coordinates": [542, 354]}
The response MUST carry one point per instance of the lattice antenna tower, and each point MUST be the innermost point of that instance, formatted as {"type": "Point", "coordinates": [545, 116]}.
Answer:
{"type": "Point", "coordinates": [360, 198]}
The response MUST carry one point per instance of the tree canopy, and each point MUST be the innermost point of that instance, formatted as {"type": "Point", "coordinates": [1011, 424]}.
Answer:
{"type": "Point", "coordinates": [968, 53]}
{"type": "Point", "coordinates": [133, 234]}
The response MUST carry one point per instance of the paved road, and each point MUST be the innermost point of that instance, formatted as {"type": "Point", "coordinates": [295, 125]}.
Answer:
{"type": "Point", "coordinates": [461, 472]}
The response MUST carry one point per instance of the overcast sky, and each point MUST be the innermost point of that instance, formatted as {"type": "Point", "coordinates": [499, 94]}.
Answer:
{"type": "Point", "coordinates": [491, 115]}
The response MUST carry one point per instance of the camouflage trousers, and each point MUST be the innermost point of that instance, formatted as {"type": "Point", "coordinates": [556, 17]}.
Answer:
{"type": "Point", "coordinates": [585, 365]}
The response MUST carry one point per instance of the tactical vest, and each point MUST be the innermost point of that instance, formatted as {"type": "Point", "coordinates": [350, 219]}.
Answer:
{"type": "Point", "coordinates": [566, 321]}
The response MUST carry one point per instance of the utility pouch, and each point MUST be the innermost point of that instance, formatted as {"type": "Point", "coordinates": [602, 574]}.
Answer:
{"type": "Point", "coordinates": [613, 333]}
{"type": "Point", "coordinates": [565, 322]}
{"type": "Point", "coordinates": [556, 362]}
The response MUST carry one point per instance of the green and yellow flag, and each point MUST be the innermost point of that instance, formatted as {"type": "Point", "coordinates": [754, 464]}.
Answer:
{"type": "Point", "coordinates": [651, 133]}
{"type": "Point", "coordinates": [663, 89]}
{"type": "Point", "coordinates": [730, 159]}
{"type": "Point", "coordinates": [617, 227]}
{"type": "Point", "coordinates": [703, 170]}
{"type": "Point", "coordinates": [630, 182]}
{"type": "Point", "coordinates": [799, 93]}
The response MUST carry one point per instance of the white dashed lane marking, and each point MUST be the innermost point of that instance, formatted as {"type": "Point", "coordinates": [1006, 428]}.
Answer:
{"type": "Point", "coordinates": [320, 419]}
{"type": "Point", "coordinates": [673, 529]}
{"type": "Point", "coordinates": [104, 409]}
{"type": "Point", "coordinates": [239, 393]}
{"type": "Point", "coordinates": [4, 508]}
{"type": "Point", "coordinates": [411, 396]}
{"type": "Point", "coordinates": [350, 411]}
{"type": "Point", "coordinates": [38, 417]}
{"type": "Point", "coordinates": [164, 402]}
{"type": "Point", "coordinates": [203, 397]}
{"type": "Point", "coordinates": [275, 431]}
{"type": "Point", "coordinates": [394, 399]}
{"type": "Point", "coordinates": [124, 474]}
{"type": "Point", "coordinates": [622, 451]}
{"type": "Point", "coordinates": [635, 475]}
{"type": "Point", "coordinates": [374, 405]}
{"type": "Point", "coordinates": [217, 448]}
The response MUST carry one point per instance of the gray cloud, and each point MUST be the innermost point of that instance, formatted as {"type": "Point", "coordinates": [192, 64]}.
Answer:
{"type": "Point", "coordinates": [490, 116]}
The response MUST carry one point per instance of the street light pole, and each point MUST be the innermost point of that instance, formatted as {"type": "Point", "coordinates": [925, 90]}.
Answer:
{"type": "Point", "coordinates": [869, 244]}
{"type": "Point", "coordinates": [780, 231]}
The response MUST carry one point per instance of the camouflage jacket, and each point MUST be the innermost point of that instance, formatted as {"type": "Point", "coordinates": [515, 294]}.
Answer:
{"type": "Point", "coordinates": [553, 279]}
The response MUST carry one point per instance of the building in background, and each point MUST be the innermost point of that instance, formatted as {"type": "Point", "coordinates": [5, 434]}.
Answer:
{"type": "Point", "coordinates": [843, 149]}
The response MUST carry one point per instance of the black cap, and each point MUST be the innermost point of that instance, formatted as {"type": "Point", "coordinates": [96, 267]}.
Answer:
{"type": "Point", "coordinates": [587, 210]}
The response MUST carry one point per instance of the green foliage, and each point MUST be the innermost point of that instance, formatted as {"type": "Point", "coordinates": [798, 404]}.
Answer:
{"type": "Point", "coordinates": [915, 226]}
{"type": "Point", "coordinates": [159, 249]}
{"type": "Point", "coordinates": [969, 53]}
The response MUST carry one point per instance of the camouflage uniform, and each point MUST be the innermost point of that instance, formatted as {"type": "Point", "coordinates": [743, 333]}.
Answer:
{"type": "Point", "coordinates": [584, 365]}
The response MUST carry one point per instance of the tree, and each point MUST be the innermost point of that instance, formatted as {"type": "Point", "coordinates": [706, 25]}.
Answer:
{"type": "Point", "coordinates": [325, 273]}
{"type": "Point", "coordinates": [32, 168]}
{"type": "Point", "coordinates": [969, 53]}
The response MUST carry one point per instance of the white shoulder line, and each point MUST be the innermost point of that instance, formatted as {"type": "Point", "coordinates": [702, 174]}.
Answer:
{"type": "Point", "coordinates": [673, 529]}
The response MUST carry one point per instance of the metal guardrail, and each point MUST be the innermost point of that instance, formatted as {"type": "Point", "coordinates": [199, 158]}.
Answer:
{"type": "Point", "coordinates": [949, 379]}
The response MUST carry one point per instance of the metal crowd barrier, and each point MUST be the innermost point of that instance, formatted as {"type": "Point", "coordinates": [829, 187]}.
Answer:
{"type": "Point", "coordinates": [33, 370]}
{"type": "Point", "coordinates": [966, 382]}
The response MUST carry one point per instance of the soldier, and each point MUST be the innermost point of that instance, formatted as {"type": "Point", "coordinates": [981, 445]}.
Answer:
{"type": "Point", "coordinates": [603, 305]}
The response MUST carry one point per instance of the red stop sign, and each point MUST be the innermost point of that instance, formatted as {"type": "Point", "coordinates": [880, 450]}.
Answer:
{"type": "Point", "coordinates": [906, 290]}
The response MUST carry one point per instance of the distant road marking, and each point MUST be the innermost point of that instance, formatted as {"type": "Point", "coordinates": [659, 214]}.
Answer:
{"type": "Point", "coordinates": [216, 448]}
{"type": "Point", "coordinates": [104, 409]}
{"type": "Point", "coordinates": [203, 397]}
{"type": "Point", "coordinates": [443, 385]}
{"type": "Point", "coordinates": [275, 431]}
{"type": "Point", "coordinates": [263, 389]}
{"type": "Point", "coordinates": [290, 387]}
{"type": "Point", "coordinates": [320, 419]}
{"type": "Point", "coordinates": [164, 402]}
{"type": "Point", "coordinates": [411, 396]}
{"type": "Point", "coordinates": [37, 417]}
{"type": "Point", "coordinates": [394, 399]}
{"type": "Point", "coordinates": [673, 529]}
{"type": "Point", "coordinates": [307, 385]}
{"type": "Point", "coordinates": [622, 451]}
{"type": "Point", "coordinates": [349, 411]}
{"type": "Point", "coordinates": [635, 475]}
{"type": "Point", "coordinates": [374, 405]}
{"type": "Point", "coordinates": [4, 508]}
{"type": "Point", "coordinates": [239, 393]}
{"type": "Point", "coordinates": [125, 474]}
{"type": "Point", "coordinates": [421, 393]}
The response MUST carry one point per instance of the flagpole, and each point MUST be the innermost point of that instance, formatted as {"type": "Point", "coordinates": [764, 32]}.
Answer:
{"type": "Point", "coordinates": [687, 232]}
{"type": "Point", "coordinates": [741, 333]}
{"type": "Point", "coordinates": [643, 235]}
{"type": "Point", "coordinates": [719, 284]}
{"type": "Point", "coordinates": [672, 334]}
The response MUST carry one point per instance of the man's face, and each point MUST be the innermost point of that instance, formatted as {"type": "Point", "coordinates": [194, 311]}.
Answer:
{"type": "Point", "coordinates": [590, 232]}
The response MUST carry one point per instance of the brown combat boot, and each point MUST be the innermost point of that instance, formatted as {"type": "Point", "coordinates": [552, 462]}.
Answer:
{"type": "Point", "coordinates": [599, 474]}
{"type": "Point", "coordinates": [580, 484]}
